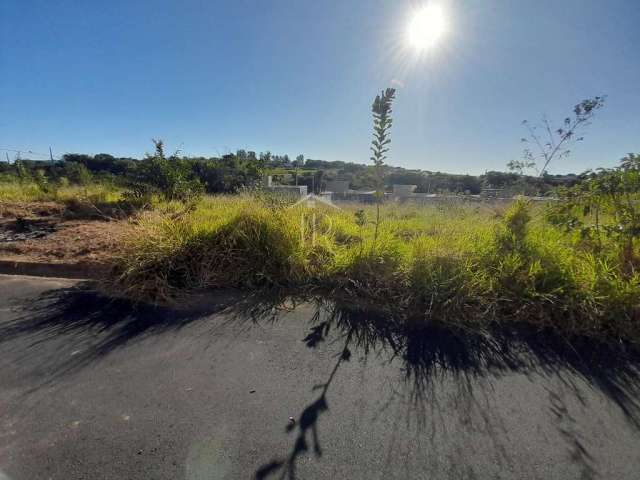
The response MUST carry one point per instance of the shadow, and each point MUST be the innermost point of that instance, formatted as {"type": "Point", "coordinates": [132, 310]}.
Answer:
{"type": "Point", "coordinates": [429, 351]}
{"type": "Point", "coordinates": [93, 324]}
{"type": "Point", "coordinates": [307, 423]}
{"type": "Point", "coordinates": [567, 427]}
{"type": "Point", "coordinates": [424, 351]}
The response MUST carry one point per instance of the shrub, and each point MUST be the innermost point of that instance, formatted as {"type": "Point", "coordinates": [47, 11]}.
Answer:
{"type": "Point", "coordinates": [513, 237]}
{"type": "Point", "coordinates": [170, 178]}
{"type": "Point", "coordinates": [604, 209]}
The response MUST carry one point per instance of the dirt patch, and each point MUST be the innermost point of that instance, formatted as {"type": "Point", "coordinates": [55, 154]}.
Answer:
{"type": "Point", "coordinates": [74, 241]}
{"type": "Point", "coordinates": [25, 228]}
{"type": "Point", "coordinates": [43, 232]}
{"type": "Point", "coordinates": [13, 210]}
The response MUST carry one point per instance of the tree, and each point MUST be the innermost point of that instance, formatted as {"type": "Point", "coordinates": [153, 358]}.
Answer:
{"type": "Point", "coordinates": [172, 178]}
{"type": "Point", "coordinates": [382, 121]}
{"type": "Point", "coordinates": [556, 142]}
{"type": "Point", "coordinates": [520, 166]}
{"type": "Point", "coordinates": [630, 162]}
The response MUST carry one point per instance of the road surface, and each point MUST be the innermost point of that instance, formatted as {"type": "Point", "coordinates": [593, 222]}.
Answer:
{"type": "Point", "coordinates": [97, 389]}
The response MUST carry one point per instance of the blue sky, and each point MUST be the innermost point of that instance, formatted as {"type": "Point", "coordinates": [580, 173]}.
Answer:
{"type": "Point", "coordinates": [297, 76]}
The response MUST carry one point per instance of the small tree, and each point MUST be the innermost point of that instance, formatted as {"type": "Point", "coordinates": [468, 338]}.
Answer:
{"type": "Point", "coordinates": [604, 204]}
{"type": "Point", "coordinates": [382, 121]}
{"type": "Point", "coordinates": [171, 178]}
{"type": "Point", "coordinates": [555, 142]}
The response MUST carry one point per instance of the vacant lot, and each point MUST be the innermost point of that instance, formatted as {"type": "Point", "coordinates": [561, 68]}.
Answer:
{"type": "Point", "coordinates": [456, 262]}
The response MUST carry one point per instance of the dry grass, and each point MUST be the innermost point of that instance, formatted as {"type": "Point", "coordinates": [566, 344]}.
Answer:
{"type": "Point", "coordinates": [93, 242]}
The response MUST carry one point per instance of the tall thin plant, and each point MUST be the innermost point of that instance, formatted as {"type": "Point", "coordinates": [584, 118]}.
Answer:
{"type": "Point", "coordinates": [382, 121]}
{"type": "Point", "coordinates": [555, 143]}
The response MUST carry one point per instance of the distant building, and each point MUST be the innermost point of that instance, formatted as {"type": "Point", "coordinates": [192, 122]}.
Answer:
{"type": "Point", "coordinates": [356, 196]}
{"type": "Point", "coordinates": [337, 186]}
{"type": "Point", "coordinates": [289, 190]}
{"type": "Point", "coordinates": [492, 192]}
{"type": "Point", "coordinates": [403, 191]}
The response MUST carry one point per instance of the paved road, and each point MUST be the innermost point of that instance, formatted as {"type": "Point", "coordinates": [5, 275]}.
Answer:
{"type": "Point", "coordinates": [95, 389]}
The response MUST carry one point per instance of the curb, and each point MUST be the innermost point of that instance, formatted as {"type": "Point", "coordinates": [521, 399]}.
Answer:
{"type": "Point", "coordinates": [55, 270]}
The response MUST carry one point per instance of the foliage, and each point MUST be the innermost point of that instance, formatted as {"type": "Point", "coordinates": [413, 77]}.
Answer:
{"type": "Point", "coordinates": [516, 220]}
{"type": "Point", "coordinates": [14, 190]}
{"type": "Point", "coordinates": [244, 169]}
{"type": "Point", "coordinates": [455, 263]}
{"type": "Point", "coordinates": [170, 178]}
{"type": "Point", "coordinates": [521, 166]}
{"type": "Point", "coordinates": [229, 173]}
{"type": "Point", "coordinates": [604, 207]}
{"type": "Point", "coordinates": [77, 173]}
{"type": "Point", "coordinates": [555, 142]}
{"type": "Point", "coordinates": [22, 172]}
{"type": "Point", "coordinates": [382, 121]}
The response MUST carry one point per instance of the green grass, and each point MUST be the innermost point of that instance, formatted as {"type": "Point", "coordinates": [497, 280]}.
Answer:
{"type": "Point", "coordinates": [31, 191]}
{"type": "Point", "coordinates": [96, 200]}
{"type": "Point", "coordinates": [460, 264]}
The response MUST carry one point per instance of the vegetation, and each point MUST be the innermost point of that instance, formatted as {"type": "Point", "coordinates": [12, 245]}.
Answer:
{"type": "Point", "coordinates": [37, 190]}
{"type": "Point", "coordinates": [168, 178]}
{"type": "Point", "coordinates": [571, 265]}
{"type": "Point", "coordinates": [457, 263]}
{"type": "Point", "coordinates": [555, 142]}
{"type": "Point", "coordinates": [603, 212]}
{"type": "Point", "coordinates": [382, 121]}
{"type": "Point", "coordinates": [89, 196]}
{"type": "Point", "coordinates": [234, 171]}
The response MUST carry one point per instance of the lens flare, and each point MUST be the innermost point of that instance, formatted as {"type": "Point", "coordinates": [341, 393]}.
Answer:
{"type": "Point", "coordinates": [426, 27]}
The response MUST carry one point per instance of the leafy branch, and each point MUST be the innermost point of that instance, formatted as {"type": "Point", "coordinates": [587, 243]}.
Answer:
{"type": "Point", "coordinates": [549, 143]}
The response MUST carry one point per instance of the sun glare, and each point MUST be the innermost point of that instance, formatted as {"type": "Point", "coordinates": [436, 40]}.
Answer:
{"type": "Point", "coordinates": [426, 27]}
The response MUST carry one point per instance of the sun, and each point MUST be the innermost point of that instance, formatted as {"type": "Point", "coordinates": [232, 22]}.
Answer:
{"type": "Point", "coordinates": [426, 27]}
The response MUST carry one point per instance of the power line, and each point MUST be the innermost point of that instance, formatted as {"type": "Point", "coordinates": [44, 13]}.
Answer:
{"type": "Point", "coordinates": [24, 151]}
{"type": "Point", "coordinates": [30, 152]}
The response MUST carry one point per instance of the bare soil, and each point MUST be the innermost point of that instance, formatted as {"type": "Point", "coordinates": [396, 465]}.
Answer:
{"type": "Point", "coordinates": [39, 232]}
{"type": "Point", "coordinates": [13, 210]}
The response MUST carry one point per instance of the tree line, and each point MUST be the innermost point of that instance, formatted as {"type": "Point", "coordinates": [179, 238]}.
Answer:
{"type": "Point", "coordinates": [230, 172]}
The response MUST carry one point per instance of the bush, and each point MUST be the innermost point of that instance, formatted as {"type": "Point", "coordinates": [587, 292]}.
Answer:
{"type": "Point", "coordinates": [604, 211]}
{"type": "Point", "coordinates": [170, 178]}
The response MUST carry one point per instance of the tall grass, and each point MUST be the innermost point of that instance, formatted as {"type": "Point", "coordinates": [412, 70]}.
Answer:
{"type": "Point", "coordinates": [12, 190]}
{"type": "Point", "coordinates": [453, 263]}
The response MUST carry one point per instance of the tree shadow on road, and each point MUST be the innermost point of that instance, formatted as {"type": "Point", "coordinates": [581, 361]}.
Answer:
{"type": "Point", "coordinates": [96, 325]}
{"type": "Point", "coordinates": [91, 325]}
{"type": "Point", "coordinates": [427, 352]}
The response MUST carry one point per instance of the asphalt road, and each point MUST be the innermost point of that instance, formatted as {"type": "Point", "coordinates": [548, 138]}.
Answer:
{"type": "Point", "coordinates": [97, 389]}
